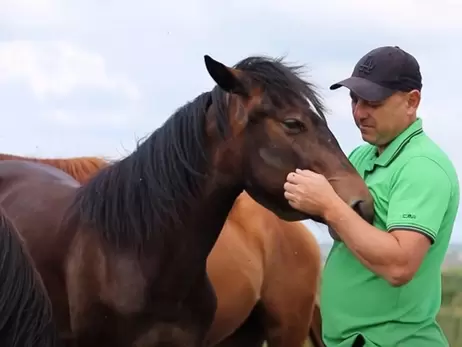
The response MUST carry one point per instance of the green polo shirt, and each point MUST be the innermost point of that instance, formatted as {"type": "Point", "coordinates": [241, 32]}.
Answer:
{"type": "Point", "coordinates": [415, 187]}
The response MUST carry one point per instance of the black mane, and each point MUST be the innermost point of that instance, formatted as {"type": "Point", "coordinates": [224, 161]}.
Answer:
{"type": "Point", "coordinates": [25, 309]}
{"type": "Point", "coordinates": [140, 197]}
{"type": "Point", "coordinates": [136, 200]}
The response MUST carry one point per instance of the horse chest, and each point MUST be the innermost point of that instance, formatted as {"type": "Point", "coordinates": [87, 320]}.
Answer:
{"type": "Point", "coordinates": [124, 286]}
{"type": "Point", "coordinates": [167, 334]}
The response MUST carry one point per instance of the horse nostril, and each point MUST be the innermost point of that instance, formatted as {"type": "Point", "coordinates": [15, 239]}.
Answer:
{"type": "Point", "coordinates": [361, 208]}
{"type": "Point", "coordinates": [356, 206]}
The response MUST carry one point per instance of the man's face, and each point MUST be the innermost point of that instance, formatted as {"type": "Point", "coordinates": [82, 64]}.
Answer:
{"type": "Point", "coordinates": [381, 122]}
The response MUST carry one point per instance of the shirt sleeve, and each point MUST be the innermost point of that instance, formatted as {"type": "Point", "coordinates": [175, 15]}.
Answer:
{"type": "Point", "coordinates": [419, 197]}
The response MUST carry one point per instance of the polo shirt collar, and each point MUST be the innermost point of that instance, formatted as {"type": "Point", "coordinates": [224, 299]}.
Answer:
{"type": "Point", "coordinates": [398, 143]}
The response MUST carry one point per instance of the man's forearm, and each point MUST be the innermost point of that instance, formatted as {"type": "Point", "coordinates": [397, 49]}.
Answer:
{"type": "Point", "coordinates": [377, 250]}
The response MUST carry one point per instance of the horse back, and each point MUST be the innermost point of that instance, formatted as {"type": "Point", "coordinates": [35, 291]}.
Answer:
{"type": "Point", "coordinates": [36, 196]}
{"type": "Point", "coordinates": [14, 170]}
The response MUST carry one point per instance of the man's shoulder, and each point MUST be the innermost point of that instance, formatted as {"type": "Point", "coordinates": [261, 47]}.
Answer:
{"type": "Point", "coordinates": [423, 170]}
{"type": "Point", "coordinates": [424, 153]}
{"type": "Point", "coordinates": [361, 152]}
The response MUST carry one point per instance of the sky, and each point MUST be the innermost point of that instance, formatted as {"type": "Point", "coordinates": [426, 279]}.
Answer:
{"type": "Point", "coordinates": [93, 77]}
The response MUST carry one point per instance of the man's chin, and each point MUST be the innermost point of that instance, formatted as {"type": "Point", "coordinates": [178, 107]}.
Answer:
{"type": "Point", "coordinates": [368, 138]}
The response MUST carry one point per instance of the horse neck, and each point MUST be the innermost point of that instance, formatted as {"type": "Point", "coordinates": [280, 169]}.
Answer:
{"type": "Point", "coordinates": [165, 197]}
{"type": "Point", "coordinates": [209, 215]}
{"type": "Point", "coordinates": [196, 222]}
{"type": "Point", "coordinates": [186, 252]}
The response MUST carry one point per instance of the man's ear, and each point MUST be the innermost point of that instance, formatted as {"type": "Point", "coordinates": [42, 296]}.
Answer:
{"type": "Point", "coordinates": [413, 101]}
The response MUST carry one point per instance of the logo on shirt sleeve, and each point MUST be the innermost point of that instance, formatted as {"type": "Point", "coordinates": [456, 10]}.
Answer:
{"type": "Point", "coordinates": [408, 216]}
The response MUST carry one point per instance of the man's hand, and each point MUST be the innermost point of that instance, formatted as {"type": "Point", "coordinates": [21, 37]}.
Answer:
{"type": "Point", "coordinates": [309, 192]}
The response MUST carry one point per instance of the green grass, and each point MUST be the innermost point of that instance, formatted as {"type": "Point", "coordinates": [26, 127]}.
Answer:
{"type": "Point", "coordinates": [450, 315]}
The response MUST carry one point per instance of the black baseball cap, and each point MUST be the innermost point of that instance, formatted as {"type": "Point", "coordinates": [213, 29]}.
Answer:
{"type": "Point", "coordinates": [382, 72]}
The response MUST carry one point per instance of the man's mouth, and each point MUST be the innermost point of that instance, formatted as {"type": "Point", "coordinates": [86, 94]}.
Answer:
{"type": "Point", "coordinates": [365, 127]}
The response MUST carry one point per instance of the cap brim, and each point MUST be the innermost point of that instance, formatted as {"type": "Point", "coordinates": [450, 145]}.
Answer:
{"type": "Point", "coordinates": [364, 89]}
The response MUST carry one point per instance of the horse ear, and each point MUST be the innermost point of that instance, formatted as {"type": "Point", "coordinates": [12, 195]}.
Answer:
{"type": "Point", "coordinates": [226, 78]}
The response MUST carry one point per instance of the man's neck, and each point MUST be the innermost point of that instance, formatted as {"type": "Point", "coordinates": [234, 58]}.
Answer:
{"type": "Point", "coordinates": [382, 148]}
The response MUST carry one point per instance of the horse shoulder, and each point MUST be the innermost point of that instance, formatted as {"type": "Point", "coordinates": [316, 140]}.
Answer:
{"type": "Point", "coordinates": [115, 279]}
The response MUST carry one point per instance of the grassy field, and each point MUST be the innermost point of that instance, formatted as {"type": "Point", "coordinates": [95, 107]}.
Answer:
{"type": "Point", "coordinates": [450, 315]}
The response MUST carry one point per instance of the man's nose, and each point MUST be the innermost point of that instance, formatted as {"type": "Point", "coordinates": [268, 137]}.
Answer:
{"type": "Point", "coordinates": [359, 111]}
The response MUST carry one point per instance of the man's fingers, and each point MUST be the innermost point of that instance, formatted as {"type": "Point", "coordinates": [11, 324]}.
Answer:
{"type": "Point", "coordinates": [294, 204]}
{"type": "Point", "coordinates": [305, 173]}
{"type": "Point", "coordinates": [294, 178]}
{"type": "Point", "coordinates": [290, 187]}
{"type": "Point", "coordinates": [290, 177]}
{"type": "Point", "coordinates": [289, 196]}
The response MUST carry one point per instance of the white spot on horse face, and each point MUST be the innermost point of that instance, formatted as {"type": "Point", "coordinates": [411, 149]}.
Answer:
{"type": "Point", "coordinates": [313, 108]}
{"type": "Point", "coordinates": [270, 158]}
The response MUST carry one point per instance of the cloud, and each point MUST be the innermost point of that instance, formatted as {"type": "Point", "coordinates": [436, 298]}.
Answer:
{"type": "Point", "coordinates": [116, 72]}
{"type": "Point", "coordinates": [74, 119]}
{"type": "Point", "coordinates": [392, 15]}
{"type": "Point", "coordinates": [56, 70]}
{"type": "Point", "coordinates": [30, 13]}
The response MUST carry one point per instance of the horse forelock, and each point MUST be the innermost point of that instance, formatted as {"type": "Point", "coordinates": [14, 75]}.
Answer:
{"type": "Point", "coordinates": [283, 81]}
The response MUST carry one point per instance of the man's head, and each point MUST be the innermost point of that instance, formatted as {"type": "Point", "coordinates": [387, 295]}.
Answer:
{"type": "Point", "coordinates": [385, 91]}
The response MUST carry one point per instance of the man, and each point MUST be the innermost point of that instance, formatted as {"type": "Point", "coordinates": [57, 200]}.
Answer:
{"type": "Point", "coordinates": [381, 283]}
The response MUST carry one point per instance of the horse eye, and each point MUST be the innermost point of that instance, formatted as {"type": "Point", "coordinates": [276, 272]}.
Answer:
{"type": "Point", "coordinates": [293, 125]}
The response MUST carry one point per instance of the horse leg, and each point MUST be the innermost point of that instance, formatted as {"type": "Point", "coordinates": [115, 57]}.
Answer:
{"type": "Point", "coordinates": [250, 334]}
{"type": "Point", "coordinates": [88, 320]}
{"type": "Point", "coordinates": [287, 322]}
{"type": "Point", "coordinates": [290, 289]}
{"type": "Point", "coordinates": [257, 329]}
{"type": "Point", "coordinates": [316, 328]}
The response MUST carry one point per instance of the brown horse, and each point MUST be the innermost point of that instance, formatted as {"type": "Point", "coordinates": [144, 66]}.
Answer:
{"type": "Point", "coordinates": [25, 310]}
{"type": "Point", "coordinates": [80, 168]}
{"type": "Point", "coordinates": [316, 327]}
{"type": "Point", "coordinates": [124, 256]}
{"type": "Point", "coordinates": [257, 265]}
{"type": "Point", "coordinates": [251, 235]}
{"type": "Point", "coordinates": [265, 272]}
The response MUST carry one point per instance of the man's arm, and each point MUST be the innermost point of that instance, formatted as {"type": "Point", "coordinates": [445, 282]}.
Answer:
{"type": "Point", "coordinates": [419, 198]}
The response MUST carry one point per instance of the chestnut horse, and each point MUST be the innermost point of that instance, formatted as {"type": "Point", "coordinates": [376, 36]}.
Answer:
{"type": "Point", "coordinates": [124, 256]}
{"type": "Point", "coordinates": [25, 310]}
{"type": "Point", "coordinates": [251, 235]}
